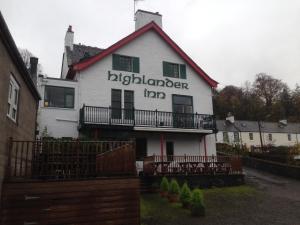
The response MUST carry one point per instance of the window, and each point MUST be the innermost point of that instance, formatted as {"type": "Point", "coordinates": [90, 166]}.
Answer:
{"type": "Point", "coordinates": [251, 136]}
{"type": "Point", "coordinates": [13, 99]}
{"type": "Point", "coordinates": [170, 150]}
{"type": "Point", "coordinates": [116, 104]}
{"type": "Point", "coordinates": [129, 104]}
{"type": "Point", "coordinates": [182, 111]}
{"type": "Point", "coordinates": [174, 70]}
{"type": "Point", "coordinates": [225, 137]}
{"type": "Point", "coordinates": [61, 97]}
{"type": "Point", "coordinates": [141, 148]}
{"type": "Point", "coordinates": [289, 137]}
{"type": "Point", "coordinates": [236, 136]}
{"type": "Point", "coordinates": [270, 137]}
{"type": "Point", "coordinates": [126, 63]}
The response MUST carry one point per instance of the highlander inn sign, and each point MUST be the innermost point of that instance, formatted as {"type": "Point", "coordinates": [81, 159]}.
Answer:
{"type": "Point", "coordinates": [133, 79]}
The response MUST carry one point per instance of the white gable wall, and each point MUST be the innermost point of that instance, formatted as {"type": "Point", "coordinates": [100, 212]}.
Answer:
{"type": "Point", "coordinates": [95, 88]}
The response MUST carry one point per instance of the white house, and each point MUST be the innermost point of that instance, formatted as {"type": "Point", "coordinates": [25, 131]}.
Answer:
{"type": "Point", "coordinates": [143, 86]}
{"type": "Point", "coordinates": [255, 134]}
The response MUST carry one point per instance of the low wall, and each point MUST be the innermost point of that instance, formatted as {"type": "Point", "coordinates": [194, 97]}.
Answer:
{"type": "Point", "coordinates": [113, 201]}
{"type": "Point", "coordinates": [199, 181]}
{"type": "Point", "coordinates": [272, 167]}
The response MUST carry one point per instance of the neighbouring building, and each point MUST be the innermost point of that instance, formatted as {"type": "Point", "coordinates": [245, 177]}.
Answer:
{"type": "Point", "coordinates": [143, 87]}
{"type": "Point", "coordinates": [18, 96]}
{"type": "Point", "coordinates": [254, 134]}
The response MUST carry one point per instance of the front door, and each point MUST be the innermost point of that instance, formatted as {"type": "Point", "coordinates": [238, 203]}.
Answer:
{"type": "Point", "coordinates": [183, 111]}
{"type": "Point", "coordinates": [170, 150]}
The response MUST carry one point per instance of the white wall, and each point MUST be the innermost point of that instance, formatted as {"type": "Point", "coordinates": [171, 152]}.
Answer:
{"type": "Point", "coordinates": [189, 144]}
{"type": "Point", "coordinates": [142, 18]}
{"type": "Point", "coordinates": [277, 139]}
{"type": "Point", "coordinates": [60, 122]}
{"type": "Point", "coordinates": [95, 88]}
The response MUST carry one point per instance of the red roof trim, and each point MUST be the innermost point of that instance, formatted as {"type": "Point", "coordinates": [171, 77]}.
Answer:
{"type": "Point", "coordinates": [84, 64]}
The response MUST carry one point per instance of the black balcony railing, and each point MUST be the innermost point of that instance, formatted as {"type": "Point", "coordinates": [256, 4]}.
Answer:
{"type": "Point", "coordinates": [92, 115]}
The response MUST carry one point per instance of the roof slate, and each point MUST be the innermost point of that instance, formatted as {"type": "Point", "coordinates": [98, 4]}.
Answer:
{"type": "Point", "coordinates": [252, 126]}
{"type": "Point", "coordinates": [81, 52]}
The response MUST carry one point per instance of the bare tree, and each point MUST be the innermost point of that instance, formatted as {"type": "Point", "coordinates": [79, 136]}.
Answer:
{"type": "Point", "coordinates": [26, 54]}
{"type": "Point", "coordinates": [268, 88]}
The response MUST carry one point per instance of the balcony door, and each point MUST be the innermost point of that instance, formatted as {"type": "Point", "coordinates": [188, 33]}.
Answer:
{"type": "Point", "coordinates": [183, 116]}
{"type": "Point", "coordinates": [119, 115]}
{"type": "Point", "coordinates": [116, 104]}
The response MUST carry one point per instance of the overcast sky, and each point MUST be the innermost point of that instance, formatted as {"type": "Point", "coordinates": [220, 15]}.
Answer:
{"type": "Point", "coordinates": [232, 40]}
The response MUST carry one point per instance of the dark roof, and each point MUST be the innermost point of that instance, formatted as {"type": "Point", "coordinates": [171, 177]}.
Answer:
{"type": "Point", "coordinates": [252, 126]}
{"type": "Point", "coordinates": [148, 27]}
{"type": "Point", "coordinates": [81, 52]}
{"type": "Point", "coordinates": [13, 51]}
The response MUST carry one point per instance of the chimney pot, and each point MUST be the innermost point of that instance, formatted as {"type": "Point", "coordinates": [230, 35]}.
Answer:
{"type": "Point", "coordinates": [70, 28]}
{"type": "Point", "coordinates": [69, 38]}
{"type": "Point", "coordinates": [33, 69]}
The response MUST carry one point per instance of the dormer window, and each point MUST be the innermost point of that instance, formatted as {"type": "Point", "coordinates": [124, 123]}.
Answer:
{"type": "Point", "coordinates": [174, 70]}
{"type": "Point", "coordinates": [125, 63]}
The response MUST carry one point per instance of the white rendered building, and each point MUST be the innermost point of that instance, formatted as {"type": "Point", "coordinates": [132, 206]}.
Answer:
{"type": "Point", "coordinates": [249, 134]}
{"type": "Point", "coordinates": [143, 87]}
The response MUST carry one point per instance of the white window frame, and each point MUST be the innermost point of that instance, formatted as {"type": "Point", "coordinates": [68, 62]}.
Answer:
{"type": "Point", "coordinates": [13, 99]}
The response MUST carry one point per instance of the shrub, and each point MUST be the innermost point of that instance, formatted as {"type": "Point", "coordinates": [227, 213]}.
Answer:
{"type": "Point", "coordinates": [164, 185]}
{"type": "Point", "coordinates": [174, 187]}
{"type": "Point", "coordinates": [197, 205]}
{"type": "Point", "coordinates": [185, 195]}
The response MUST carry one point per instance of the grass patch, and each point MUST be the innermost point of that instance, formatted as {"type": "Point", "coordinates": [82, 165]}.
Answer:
{"type": "Point", "coordinates": [238, 191]}
{"type": "Point", "coordinates": [218, 202]}
{"type": "Point", "coordinates": [154, 208]}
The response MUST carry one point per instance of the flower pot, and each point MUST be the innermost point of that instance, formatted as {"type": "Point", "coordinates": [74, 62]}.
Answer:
{"type": "Point", "coordinates": [186, 205]}
{"type": "Point", "coordinates": [164, 194]}
{"type": "Point", "coordinates": [173, 198]}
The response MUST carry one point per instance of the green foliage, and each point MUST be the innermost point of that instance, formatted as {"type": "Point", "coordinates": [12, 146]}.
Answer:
{"type": "Point", "coordinates": [185, 195]}
{"type": "Point", "coordinates": [164, 185]}
{"type": "Point", "coordinates": [197, 204]}
{"type": "Point", "coordinates": [266, 98]}
{"type": "Point", "coordinates": [174, 187]}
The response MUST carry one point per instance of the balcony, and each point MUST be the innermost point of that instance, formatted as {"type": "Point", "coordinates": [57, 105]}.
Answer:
{"type": "Point", "coordinates": [133, 118]}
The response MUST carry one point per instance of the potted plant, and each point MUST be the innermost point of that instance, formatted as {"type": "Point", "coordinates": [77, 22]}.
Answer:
{"type": "Point", "coordinates": [185, 196]}
{"type": "Point", "coordinates": [164, 187]}
{"type": "Point", "coordinates": [174, 191]}
{"type": "Point", "coordinates": [197, 205]}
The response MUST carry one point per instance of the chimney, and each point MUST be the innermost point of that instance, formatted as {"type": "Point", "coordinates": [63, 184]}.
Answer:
{"type": "Point", "coordinates": [144, 17]}
{"type": "Point", "coordinates": [282, 122]}
{"type": "Point", "coordinates": [33, 69]}
{"type": "Point", "coordinates": [69, 38]}
{"type": "Point", "coordinates": [230, 118]}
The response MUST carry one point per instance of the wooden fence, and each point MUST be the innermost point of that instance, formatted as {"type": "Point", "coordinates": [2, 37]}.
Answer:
{"type": "Point", "coordinates": [48, 159]}
{"type": "Point", "coordinates": [186, 165]}
{"type": "Point", "coordinates": [113, 201]}
{"type": "Point", "coordinates": [119, 161]}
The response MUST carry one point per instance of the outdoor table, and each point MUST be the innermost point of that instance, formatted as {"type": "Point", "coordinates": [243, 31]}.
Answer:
{"type": "Point", "coordinates": [163, 164]}
{"type": "Point", "coordinates": [206, 168]}
{"type": "Point", "coordinates": [184, 166]}
{"type": "Point", "coordinates": [219, 166]}
{"type": "Point", "coordinates": [194, 166]}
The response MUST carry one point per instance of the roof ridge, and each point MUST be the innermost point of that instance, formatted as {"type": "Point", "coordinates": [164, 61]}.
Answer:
{"type": "Point", "coordinates": [152, 25]}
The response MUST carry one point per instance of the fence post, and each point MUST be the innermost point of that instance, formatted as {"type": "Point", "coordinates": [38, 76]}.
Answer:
{"type": "Point", "coordinates": [9, 155]}
{"type": "Point", "coordinates": [77, 157]}
{"type": "Point", "coordinates": [156, 117]}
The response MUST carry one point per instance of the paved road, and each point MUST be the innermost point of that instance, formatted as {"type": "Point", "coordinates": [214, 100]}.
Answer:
{"type": "Point", "coordinates": [274, 185]}
{"type": "Point", "coordinates": [281, 201]}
